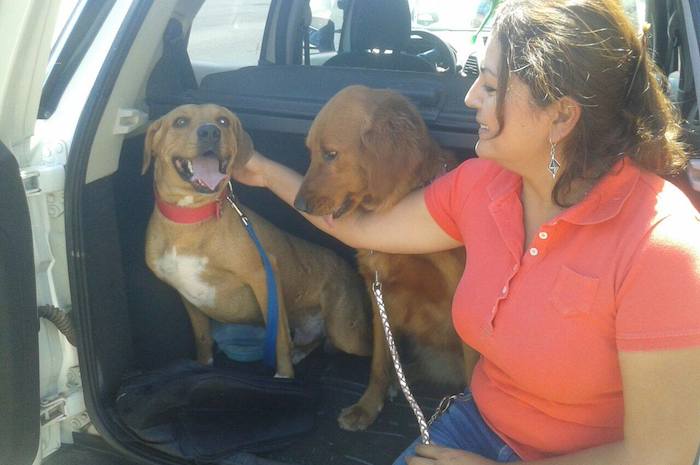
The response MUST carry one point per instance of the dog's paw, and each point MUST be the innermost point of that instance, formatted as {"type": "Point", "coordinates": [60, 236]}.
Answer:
{"type": "Point", "coordinates": [356, 418]}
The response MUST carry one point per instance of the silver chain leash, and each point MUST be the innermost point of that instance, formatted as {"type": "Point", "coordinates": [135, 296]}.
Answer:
{"type": "Point", "coordinates": [422, 425]}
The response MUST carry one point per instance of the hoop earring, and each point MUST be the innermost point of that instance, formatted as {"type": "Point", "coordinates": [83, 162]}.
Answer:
{"type": "Point", "coordinates": [553, 162]}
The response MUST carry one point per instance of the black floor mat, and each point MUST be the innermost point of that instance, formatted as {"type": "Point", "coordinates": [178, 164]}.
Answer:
{"type": "Point", "coordinates": [343, 381]}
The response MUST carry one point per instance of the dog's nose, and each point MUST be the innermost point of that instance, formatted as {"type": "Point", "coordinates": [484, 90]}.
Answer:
{"type": "Point", "coordinates": [208, 133]}
{"type": "Point", "coordinates": [300, 204]}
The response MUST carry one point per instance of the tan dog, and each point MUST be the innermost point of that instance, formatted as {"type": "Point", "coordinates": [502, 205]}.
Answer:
{"type": "Point", "coordinates": [214, 264]}
{"type": "Point", "coordinates": [369, 148]}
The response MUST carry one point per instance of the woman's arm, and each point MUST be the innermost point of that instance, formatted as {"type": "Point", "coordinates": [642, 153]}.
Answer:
{"type": "Point", "coordinates": [406, 228]}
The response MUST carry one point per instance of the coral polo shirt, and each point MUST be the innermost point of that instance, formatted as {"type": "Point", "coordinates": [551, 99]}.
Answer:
{"type": "Point", "coordinates": [619, 271]}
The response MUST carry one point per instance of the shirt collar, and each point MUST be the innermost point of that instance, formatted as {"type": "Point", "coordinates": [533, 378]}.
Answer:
{"type": "Point", "coordinates": [603, 202]}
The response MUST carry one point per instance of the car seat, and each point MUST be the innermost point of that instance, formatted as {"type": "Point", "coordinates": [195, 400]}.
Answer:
{"type": "Point", "coordinates": [378, 32]}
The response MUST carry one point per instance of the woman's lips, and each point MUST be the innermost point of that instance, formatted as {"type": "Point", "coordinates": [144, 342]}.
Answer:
{"type": "Point", "coordinates": [483, 130]}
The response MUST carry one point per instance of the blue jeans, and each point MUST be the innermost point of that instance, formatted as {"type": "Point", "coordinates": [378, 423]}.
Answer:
{"type": "Point", "coordinates": [462, 427]}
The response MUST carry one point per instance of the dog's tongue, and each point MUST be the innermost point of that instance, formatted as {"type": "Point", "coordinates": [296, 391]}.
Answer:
{"type": "Point", "coordinates": [206, 169]}
{"type": "Point", "coordinates": [330, 221]}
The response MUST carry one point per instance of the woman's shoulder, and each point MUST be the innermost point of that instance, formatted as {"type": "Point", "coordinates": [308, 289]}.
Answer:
{"type": "Point", "coordinates": [479, 165]}
{"type": "Point", "coordinates": [473, 170]}
{"type": "Point", "coordinates": [675, 220]}
{"type": "Point", "coordinates": [668, 200]}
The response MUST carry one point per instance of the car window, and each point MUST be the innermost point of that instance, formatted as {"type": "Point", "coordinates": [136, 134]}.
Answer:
{"type": "Point", "coordinates": [67, 12]}
{"type": "Point", "coordinates": [77, 25]}
{"type": "Point", "coordinates": [326, 25]}
{"type": "Point", "coordinates": [454, 21]}
{"type": "Point", "coordinates": [636, 11]}
{"type": "Point", "coordinates": [228, 34]}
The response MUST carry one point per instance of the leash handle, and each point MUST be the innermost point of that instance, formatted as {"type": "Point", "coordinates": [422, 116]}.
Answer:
{"type": "Point", "coordinates": [270, 348]}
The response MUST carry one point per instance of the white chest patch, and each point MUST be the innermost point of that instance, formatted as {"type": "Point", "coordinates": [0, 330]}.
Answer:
{"type": "Point", "coordinates": [183, 272]}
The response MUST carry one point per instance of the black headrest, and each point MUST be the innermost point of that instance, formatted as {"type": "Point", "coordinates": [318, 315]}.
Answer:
{"type": "Point", "coordinates": [382, 24]}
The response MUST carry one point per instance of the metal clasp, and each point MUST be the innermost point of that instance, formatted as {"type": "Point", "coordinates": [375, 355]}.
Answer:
{"type": "Point", "coordinates": [231, 198]}
{"type": "Point", "coordinates": [443, 406]}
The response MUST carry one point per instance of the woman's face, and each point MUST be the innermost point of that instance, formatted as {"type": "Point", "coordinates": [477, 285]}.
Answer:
{"type": "Point", "coordinates": [521, 145]}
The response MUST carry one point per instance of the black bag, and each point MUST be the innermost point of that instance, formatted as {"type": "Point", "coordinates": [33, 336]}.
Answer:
{"type": "Point", "coordinates": [205, 413]}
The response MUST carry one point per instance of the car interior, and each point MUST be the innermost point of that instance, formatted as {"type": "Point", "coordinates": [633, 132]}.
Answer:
{"type": "Point", "coordinates": [129, 320]}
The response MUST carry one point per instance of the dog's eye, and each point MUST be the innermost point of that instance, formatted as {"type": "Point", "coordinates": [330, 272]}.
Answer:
{"type": "Point", "coordinates": [330, 156]}
{"type": "Point", "coordinates": [223, 121]}
{"type": "Point", "coordinates": [181, 122]}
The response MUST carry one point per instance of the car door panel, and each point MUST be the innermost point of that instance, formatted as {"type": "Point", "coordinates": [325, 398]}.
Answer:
{"type": "Point", "coordinates": [19, 371]}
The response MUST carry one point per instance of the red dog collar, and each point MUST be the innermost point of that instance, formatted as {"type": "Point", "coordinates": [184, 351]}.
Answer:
{"type": "Point", "coordinates": [190, 215]}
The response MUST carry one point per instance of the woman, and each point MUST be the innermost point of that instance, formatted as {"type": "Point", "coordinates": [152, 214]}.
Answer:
{"type": "Point", "coordinates": [582, 284]}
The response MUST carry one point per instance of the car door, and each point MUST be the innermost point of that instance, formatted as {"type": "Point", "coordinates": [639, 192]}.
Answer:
{"type": "Point", "coordinates": [26, 30]}
{"type": "Point", "coordinates": [691, 14]}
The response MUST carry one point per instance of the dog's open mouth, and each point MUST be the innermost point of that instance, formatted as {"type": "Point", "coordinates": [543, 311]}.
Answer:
{"type": "Point", "coordinates": [205, 172]}
{"type": "Point", "coordinates": [344, 207]}
{"type": "Point", "coordinates": [340, 211]}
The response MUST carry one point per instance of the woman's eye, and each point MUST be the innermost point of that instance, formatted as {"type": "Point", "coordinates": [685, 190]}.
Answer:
{"type": "Point", "coordinates": [181, 122]}
{"type": "Point", "coordinates": [223, 121]}
{"type": "Point", "coordinates": [489, 89]}
{"type": "Point", "coordinates": [330, 156]}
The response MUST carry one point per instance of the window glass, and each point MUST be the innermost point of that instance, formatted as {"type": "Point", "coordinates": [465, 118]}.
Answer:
{"type": "Point", "coordinates": [66, 11]}
{"type": "Point", "coordinates": [228, 33]}
{"type": "Point", "coordinates": [326, 24]}
{"type": "Point", "coordinates": [454, 21]}
{"type": "Point", "coordinates": [636, 11]}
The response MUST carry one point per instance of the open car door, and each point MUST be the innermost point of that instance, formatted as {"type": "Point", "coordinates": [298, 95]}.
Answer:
{"type": "Point", "coordinates": [19, 372]}
{"type": "Point", "coordinates": [26, 30]}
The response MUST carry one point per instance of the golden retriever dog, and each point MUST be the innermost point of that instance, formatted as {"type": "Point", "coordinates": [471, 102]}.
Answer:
{"type": "Point", "coordinates": [369, 148]}
{"type": "Point", "coordinates": [214, 264]}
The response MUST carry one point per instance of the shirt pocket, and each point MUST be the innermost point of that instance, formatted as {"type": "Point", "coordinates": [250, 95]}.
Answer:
{"type": "Point", "coordinates": [573, 293]}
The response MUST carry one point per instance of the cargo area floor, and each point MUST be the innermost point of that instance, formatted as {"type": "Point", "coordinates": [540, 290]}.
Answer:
{"type": "Point", "coordinates": [343, 380]}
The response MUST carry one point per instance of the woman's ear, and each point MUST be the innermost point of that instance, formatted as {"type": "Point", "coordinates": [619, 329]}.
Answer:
{"type": "Point", "coordinates": [566, 113]}
{"type": "Point", "coordinates": [151, 144]}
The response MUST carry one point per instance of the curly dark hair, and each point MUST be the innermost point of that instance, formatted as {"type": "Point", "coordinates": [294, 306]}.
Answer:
{"type": "Point", "coordinates": [589, 51]}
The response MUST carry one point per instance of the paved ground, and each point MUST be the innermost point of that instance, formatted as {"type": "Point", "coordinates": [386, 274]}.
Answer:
{"type": "Point", "coordinates": [228, 33]}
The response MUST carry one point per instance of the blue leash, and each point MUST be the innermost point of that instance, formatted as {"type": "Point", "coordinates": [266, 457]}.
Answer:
{"type": "Point", "coordinates": [269, 352]}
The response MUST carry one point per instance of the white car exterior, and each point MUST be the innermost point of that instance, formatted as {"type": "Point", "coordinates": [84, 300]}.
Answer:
{"type": "Point", "coordinates": [41, 148]}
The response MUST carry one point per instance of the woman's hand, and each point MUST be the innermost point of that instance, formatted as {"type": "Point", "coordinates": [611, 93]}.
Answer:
{"type": "Point", "coordinates": [436, 455]}
{"type": "Point", "coordinates": [253, 172]}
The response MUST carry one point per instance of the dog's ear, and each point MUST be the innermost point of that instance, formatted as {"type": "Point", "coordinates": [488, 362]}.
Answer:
{"type": "Point", "coordinates": [395, 138]}
{"type": "Point", "coordinates": [151, 144]}
{"type": "Point", "coordinates": [244, 145]}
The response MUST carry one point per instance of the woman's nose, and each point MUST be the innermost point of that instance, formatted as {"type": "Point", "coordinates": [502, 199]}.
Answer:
{"type": "Point", "coordinates": [471, 100]}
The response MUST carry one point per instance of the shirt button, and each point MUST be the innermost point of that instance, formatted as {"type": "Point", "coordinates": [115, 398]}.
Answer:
{"type": "Point", "coordinates": [543, 235]}
{"type": "Point", "coordinates": [504, 290]}
{"type": "Point", "coordinates": [534, 251]}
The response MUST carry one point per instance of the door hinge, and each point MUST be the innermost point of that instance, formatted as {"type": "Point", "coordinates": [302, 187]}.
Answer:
{"type": "Point", "coordinates": [47, 178]}
{"type": "Point", "coordinates": [58, 408]}
{"type": "Point", "coordinates": [30, 181]}
{"type": "Point", "coordinates": [53, 410]}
